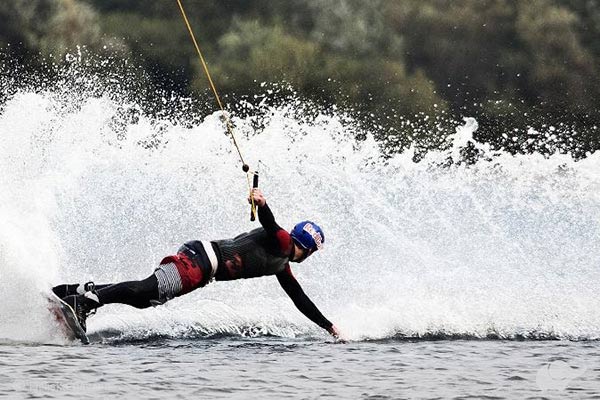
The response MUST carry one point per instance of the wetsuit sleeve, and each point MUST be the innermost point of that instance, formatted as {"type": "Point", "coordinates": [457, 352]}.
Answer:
{"type": "Point", "coordinates": [291, 286]}
{"type": "Point", "coordinates": [267, 220]}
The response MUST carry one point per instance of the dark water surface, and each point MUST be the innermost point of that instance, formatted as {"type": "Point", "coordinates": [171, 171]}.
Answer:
{"type": "Point", "coordinates": [276, 368]}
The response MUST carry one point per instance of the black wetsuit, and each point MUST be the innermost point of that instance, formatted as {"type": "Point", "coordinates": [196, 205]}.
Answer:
{"type": "Point", "coordinates": [265, 251]}
{"type": "Point", "coordinates": [260, 252]}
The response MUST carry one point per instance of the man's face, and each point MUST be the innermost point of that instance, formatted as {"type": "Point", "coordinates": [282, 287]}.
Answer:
{"type": "Point", "coordinates": [300, 254]}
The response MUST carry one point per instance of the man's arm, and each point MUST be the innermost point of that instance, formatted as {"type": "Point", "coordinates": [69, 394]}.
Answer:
{"type": "Point", "coordinates": [267, 220]}
{"type": "Point", "coordinates": [265, 215]}
{"type": "Point", "coordinates": [291, 286]}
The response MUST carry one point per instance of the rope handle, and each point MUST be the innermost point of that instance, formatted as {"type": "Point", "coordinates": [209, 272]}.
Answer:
{"type": "Point", "coordinates": [253, 205]}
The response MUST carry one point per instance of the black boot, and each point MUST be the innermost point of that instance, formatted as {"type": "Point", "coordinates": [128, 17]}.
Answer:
{"type": "Point", "coordinates": [72, 289]}
{"type": "Point", "coordinates": [83, 305]}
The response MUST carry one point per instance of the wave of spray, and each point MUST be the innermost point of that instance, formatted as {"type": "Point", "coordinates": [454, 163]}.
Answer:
{"type": "Point", "coordinates": [506, 247]}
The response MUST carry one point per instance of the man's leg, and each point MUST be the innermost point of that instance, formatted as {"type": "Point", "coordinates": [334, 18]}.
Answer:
{"type": "Point", "coordinates": [175, 276]}
{"type": "Point", "coordinates": [168, 281]}
{"type": "Point", "coordinates": [134, 293]}
{"type": "Point", "coordinates": [139, 294]}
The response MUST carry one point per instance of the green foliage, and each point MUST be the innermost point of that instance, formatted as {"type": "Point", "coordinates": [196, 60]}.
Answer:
{"type": "Point", "coordinates": [50, 27]}
{"type": "Point", "coordinates": [266, 53]}
{"type": "Point", "coordinates": [559, 66]}
{"type": "Point", "coordinates": [468, 47]}
{"type": "Point", "coordinates": [251, 51]}
{"type": "Point", "coordinates": [348, 27]}
{"type": "Point", "coordinates": [154, 41]}
{"type": "Point", "coordinates": [510, 63]}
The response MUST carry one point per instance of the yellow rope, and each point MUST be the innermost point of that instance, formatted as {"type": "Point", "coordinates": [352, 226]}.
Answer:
{"type": "Point", "coordinates": [228, 124]}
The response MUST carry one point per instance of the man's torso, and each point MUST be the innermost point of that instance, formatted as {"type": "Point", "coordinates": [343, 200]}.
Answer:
{"type": "Point", "coordinates": [252, 254]}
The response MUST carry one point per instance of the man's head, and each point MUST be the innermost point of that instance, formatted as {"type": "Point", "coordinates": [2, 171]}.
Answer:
{"type": "Point", "coordinates": [308, 237]}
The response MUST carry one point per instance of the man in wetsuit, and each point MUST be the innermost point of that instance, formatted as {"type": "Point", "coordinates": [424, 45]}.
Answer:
{"type": "Point", "coordinates": [263, 251]}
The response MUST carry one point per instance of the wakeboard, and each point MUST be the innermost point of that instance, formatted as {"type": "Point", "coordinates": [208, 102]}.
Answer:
{"type": "Point", "coordinates": [65, 315]}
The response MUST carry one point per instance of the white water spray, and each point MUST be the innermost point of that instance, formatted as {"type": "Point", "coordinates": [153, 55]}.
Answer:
{"type": "Point", "coordinates": [508, 247]}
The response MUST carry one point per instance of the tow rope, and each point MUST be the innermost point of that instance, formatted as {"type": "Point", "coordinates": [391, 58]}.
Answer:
{"type": "Point", "coordinates": [228, 124]}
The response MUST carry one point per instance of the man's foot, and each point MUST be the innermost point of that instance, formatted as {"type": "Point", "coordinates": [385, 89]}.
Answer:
{"type": "Point", "coordinates": [73, 289]}
{"type": "Point", "coordinates": [83, 305]}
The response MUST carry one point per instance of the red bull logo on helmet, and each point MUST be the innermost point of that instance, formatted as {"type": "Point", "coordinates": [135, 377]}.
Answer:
{"type": "Point", "coordinates": [314, 234]}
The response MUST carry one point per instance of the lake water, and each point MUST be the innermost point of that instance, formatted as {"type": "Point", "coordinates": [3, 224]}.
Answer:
{"type": "Point", "coordinates": [275, 368]}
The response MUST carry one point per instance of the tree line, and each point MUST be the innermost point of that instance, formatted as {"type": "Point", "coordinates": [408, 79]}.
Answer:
{"type": "Point", "coordinates": [512, 64]}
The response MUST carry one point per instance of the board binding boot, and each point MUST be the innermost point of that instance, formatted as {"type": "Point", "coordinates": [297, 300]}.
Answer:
{"type": "Point", "coordinates": [63, 291]}
{"type": "Point", "coordinates": [83, 306]}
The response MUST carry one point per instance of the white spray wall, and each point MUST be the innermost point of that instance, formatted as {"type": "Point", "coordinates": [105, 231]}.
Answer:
{"type": "Point", "coordinates": [506, 247]}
